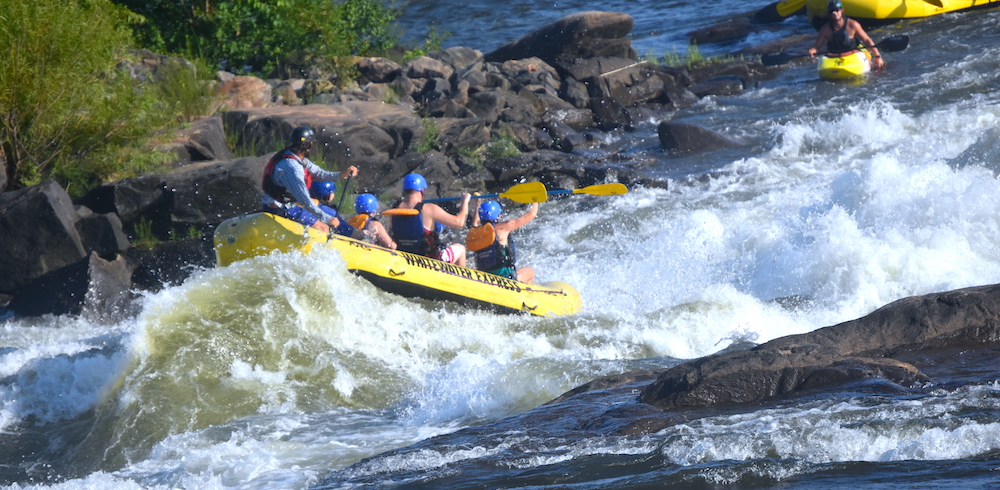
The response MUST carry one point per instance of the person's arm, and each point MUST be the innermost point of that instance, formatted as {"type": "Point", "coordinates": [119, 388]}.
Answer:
{"type": "Point", "coordinates": [439, 215]}
{"type": "Point", "coordinates": [513, 224]}
{"type": "Point", "coordinates": [859, 32]}
{"type": "Point", "coordinates": [288, 174]}
{"type": "Point", "coordinates": [823, 36]}
{"type": "Point", "coordinates": [382, 236]}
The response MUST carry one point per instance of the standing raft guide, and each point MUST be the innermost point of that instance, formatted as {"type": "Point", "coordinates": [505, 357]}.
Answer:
{"type": "Point", "coordinates": [409, 274]}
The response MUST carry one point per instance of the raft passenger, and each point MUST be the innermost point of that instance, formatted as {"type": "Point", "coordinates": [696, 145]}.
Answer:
{"type": "Point", "coordinates": [366, 205]}
{"type": "Point", "coordinates": [843, 34]}
{"type": "Point", "coordinates": [492, 245]}
{"type": "Point", "coordinates": [287, 178]}
{"type": "Point", "coordinates": [419, 234]}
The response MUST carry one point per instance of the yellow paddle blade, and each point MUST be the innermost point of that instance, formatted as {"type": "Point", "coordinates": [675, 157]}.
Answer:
{"type": "Point", "coordinates": [603, 190]}
{"type": "Point", "coordinates": [789, 7]}
{"type": "Point", "coordinates": [526, 193]}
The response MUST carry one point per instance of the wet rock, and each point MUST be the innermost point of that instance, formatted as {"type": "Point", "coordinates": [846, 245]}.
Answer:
{"type": "Point", "coordinates": [94, 286]}
{"type": "Point", "coordinates": [721, 85]}
{"type": "Point", "coordinates": [38, 234]}
{"type": "Point", "coordinates": [727, 31]}
{"type": "Point", "coordinates": [581, 35]}
{"type": "Point", "coordinates": [831, 356]}
{"type": "Point", "coordinates": [689, 138]}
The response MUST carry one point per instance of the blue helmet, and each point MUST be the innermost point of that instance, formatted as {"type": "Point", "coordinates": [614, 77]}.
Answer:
{"type": "Point", "coordinates": [414, 182]}
{"type": "Point", "coordinates": [490, 211]}
{"type": "Point", "coordinates": [320, 190]}
{"type": "Point", "coordinates": [365, 204]}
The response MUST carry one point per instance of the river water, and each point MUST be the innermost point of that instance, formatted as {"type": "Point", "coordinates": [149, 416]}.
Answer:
{"type": "Point", "coordinates": [287, 372]}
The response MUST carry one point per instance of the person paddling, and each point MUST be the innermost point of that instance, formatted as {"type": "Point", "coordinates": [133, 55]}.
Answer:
{"type": "Point", "coordinates": [842, 34]}
{"type": "Point", "coordinates": [287, 178]}
{"type": "Point", "coordinates": [418, 233]}
{"type": "Point", "coordinates": [492, 245]}
{"type": "Point", "coordinates": [366, 205]}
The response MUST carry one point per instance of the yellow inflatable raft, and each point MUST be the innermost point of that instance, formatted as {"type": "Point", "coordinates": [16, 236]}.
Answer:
{"type": "Point", "coordinates": [396, 272]}
{"type": "Point", "coordinates": [882, 12]}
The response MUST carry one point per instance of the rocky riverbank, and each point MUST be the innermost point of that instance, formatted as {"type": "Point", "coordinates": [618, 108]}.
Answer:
{"type": "Point", "coordinates": [554, 96]}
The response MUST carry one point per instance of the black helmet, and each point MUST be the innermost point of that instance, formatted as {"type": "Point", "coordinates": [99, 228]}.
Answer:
{"type": "Point", "coordinates": [301, 136]}
{"type": "Point", "coordinates": [833, 6]}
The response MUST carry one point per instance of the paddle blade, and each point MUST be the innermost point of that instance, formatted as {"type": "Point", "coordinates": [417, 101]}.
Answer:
{"type": "Point", "coordinates": [603, 190]}
{"type": "Point", "coordinates": [936, 3]}
{"type": "Point", "coordinates": [774, 59]}
{"type": "Point", "coordinates": [400, 212]}
{"type": "Point", "coordinates": [894, 43]}
{"type": "Point", "coordinates": [526, 193]}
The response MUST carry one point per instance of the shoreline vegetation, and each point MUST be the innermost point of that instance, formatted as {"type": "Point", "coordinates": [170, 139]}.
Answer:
{"type": "Point", "coordinates": [76, 110]}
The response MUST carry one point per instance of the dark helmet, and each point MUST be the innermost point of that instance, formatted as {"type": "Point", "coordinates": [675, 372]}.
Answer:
{"type": "Point", "coordinates": [322, 189]}
{"type": "Point", "coordinates": [414, 182]}
{"type": "Point", "coordinates": [366, 204]}
{"type": "Point", "coordinates": [490, 211]}
{"type": "Point", "coordinates": [833, 6]}
{"type": "Point", "coordinates": [301, 136]}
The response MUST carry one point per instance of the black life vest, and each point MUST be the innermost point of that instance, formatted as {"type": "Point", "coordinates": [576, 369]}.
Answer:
{"type": "Point", "coordinates": [276, 191]}
{"type": "Point", "coordinates": [840, 42]}
{"type": "Point", "coordinates": [484, 242]}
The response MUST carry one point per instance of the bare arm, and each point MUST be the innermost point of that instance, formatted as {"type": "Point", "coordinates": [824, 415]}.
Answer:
{"type": "Point", "coordinates": [445, 218]}
{"type": "Point", "coordinates": [513, 224]}
{"type": "Point", "coordinates": [825, 33]}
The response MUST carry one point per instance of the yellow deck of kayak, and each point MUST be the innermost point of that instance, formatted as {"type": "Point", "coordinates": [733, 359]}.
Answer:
{"type": "Point", "coordinates": [844, 67]}
{"type": "Point", "coordinates": [885, 11]}
{"type": "Point", "coordinates": [393, 271]}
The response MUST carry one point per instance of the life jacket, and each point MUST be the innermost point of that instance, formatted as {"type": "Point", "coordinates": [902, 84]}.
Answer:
{"type": "Point", "coordinates": [484, 242]}
{"type": "Point", "coordinates": [840, 42]}
{"type": "Point", "coordinates": [271, 188]}
{"type": "Point", "coordinates": [410, 236]}
{"type": "Point", "coordinates": [360, 221]}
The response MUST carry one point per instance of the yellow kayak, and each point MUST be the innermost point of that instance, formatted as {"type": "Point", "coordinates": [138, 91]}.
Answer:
{"type": "Point", "coordinates": [881, 12]}
{"type": "Point", "coordinates": [393, 271]}
{"type": "Point", "coordinates": [846, 67]}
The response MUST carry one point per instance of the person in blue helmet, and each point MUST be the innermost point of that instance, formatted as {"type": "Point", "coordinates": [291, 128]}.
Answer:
{"type": "Point", "coordinates": [418, 233]}
{"type": "Point", "coordinates": [844, 36]}
{"type": "Point", "coordinates": [286, 181]}
{"type": "Point", "coordinates": [490, 242]}
{"type": "Point", "coordinates": [323, 193]}
{"type": "Point", "coordinates": [366, 206]}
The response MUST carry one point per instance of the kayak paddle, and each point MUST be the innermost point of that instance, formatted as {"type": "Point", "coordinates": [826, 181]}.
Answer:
{"type": "Point", "coordinates": [525, 193]}
{"type": "Point", "coordinates": [596, 190]}
{"type": "Point", "coordinates": [889, 44]}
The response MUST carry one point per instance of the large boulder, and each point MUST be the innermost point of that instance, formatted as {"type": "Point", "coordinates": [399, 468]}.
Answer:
{"type": "Point", "coordinates": [37, 234]}
{"type": "Point", "coordinates": [851, 351]}
{"type": "Point", "coordinates": [581, 35]}
{"type": "Point", "coordinates": [96, 288]}
{"type": "Point", "coordinates": [204, 140]}
{"type": "Point", "coordinates": [688, 138]}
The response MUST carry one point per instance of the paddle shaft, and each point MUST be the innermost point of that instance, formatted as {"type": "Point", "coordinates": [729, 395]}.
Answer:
{"type": "Point", "coordinates": [343, 194]}
{"type": "Point", "coordinates": [894, 43]}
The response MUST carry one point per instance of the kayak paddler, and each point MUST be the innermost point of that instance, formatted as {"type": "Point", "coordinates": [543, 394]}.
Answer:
{"type": "Point", "coordinates": [842, 35]}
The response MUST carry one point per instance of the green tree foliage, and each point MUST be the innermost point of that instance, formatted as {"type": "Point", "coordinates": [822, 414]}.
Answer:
{"type": "Point", "coordinates": [65, 111]}
{"type": "Point", "coordinates": [264, 35]}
